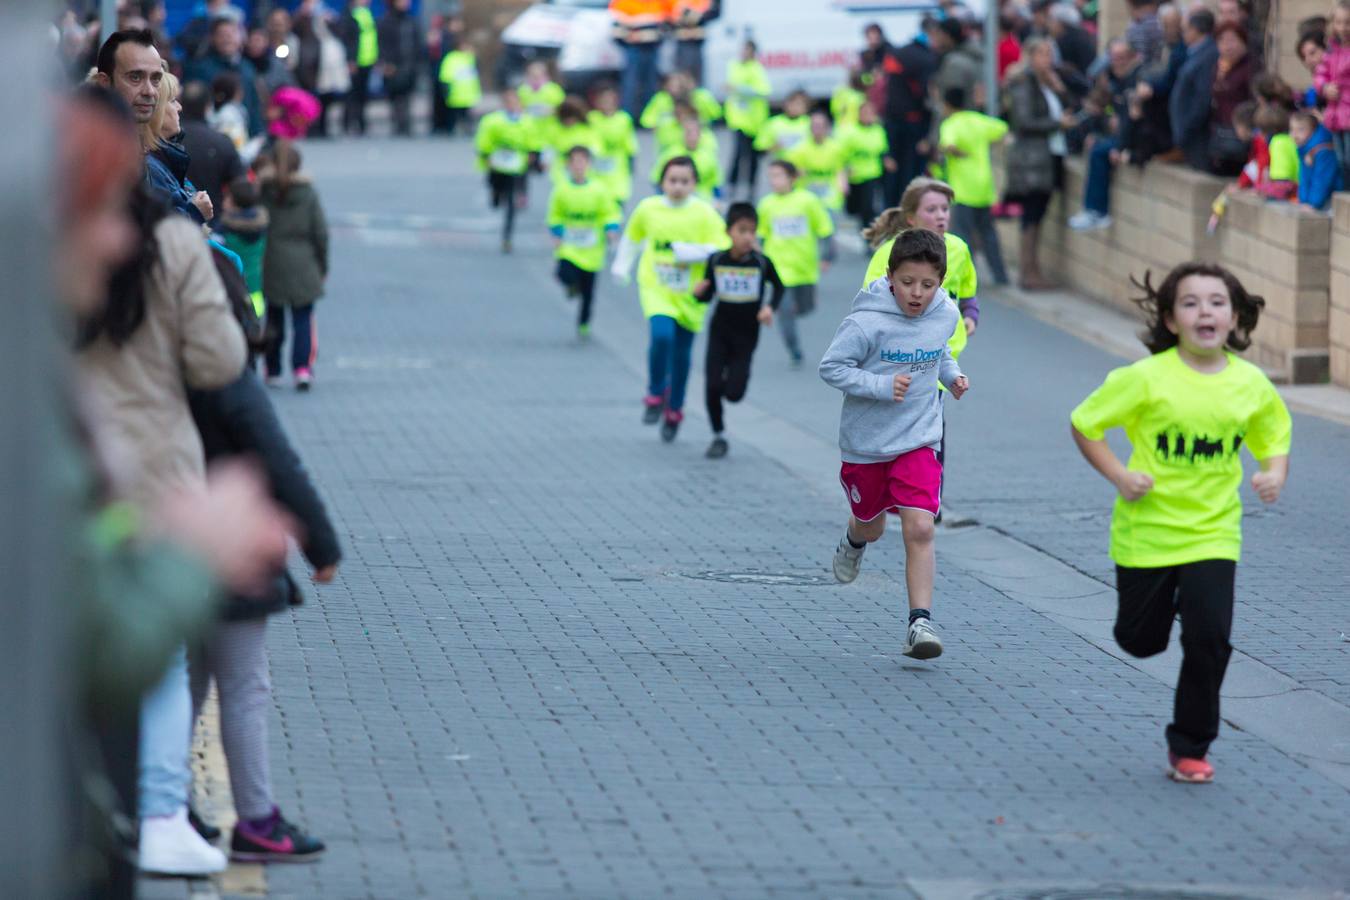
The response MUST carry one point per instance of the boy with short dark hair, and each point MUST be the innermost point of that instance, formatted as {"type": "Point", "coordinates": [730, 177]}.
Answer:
{"type": "Point", "coordinates": [887, 358]}
{"type": "Point", "coordinates": [584, 219]}
{"type": "Point", "coordinates": [1319, 172]}
{"type": "Point", "coordinates": [737, 279]}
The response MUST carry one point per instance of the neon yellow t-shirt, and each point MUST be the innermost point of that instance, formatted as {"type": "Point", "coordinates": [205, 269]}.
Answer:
{"type": "Point", "coordinates": [562, 139]}
{"type": "Point", "coordinates": [1185, 428]}
{"type": "Point", "coordinates": [844, 105]}
{"type": "Point", "coordinates": [580, 214]}
{"type": "Point", "coordinates": [541, 107]}
{"type": "Point", "coordinates": [1283, 158]}
{"type": "Point", "coordinates": [865, 146]}
{"type": "Point", "coordinates": [618, 145]}
{"type": "Point", "coordinates": [659, 115]}
{"type": "Point", "coordinates": [820, 164]}
{"type": "Point", "coordinates": [748, 89]}
{"type": "Point", "coordinates": [504, 143]}
{"type": "Point", "coordinates": [780, 134]}
{"type": "Point", "coordinates": [971, 175]}
{"type": "Point", "coordinates": [791, 226]}
{"type": "Point", "coordinates": [705, 160]}
{"type": "Point", "coordinates": [459, 74]}
{"type": "Point", "coordinates": [665, 286]}
{"type": "Point", "coordinates": [961, 282]}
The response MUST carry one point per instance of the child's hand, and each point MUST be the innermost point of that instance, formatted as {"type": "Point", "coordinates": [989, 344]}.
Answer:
{"type": "Point", "coordinates": [890, 165]}
{"type": "Point", "coordinates": [1268, 485]}
{"type": "Point", "coordinates": [959, 386]}
{"type": "Point", "coordinates": [701, 288]}
{"type": "Point", "coordinates": [970, 325]}
{"type": "Point", "coordinates": [765, 315]}
{"type": "Point", "coordinates": [1133, 485]}
{"type": "Point", "coordinates": [900, 386]}
{"type": "Point", "coordinates": [202, 201]}
{"type": "Point", "coordinates": [326, 574]}
{"type": "Point", "coordinates": [953, 151]}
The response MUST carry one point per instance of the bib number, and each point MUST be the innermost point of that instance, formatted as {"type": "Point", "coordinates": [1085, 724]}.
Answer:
{"type": "Point", "coordinates": [791, 227]}
{"type": "Point", "coordinates": [580, 236]}
{"type": "Point", "coordinates": [673, 277]}
{"type": "Point", "coordinates": [506, 160]}
{"type": "Point", "coordinates": [738, 285]}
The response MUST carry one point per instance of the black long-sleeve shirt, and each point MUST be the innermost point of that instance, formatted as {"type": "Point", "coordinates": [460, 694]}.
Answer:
{"type": "Point", "coordinates": [738, 285]}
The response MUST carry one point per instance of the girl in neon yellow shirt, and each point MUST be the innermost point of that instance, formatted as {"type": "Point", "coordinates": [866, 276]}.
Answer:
{"type": "Point", "coordinates": [615, 133]}
{"type": "Point", "coordinates": [1176, 530]}
{"type": "Point", "coordinates": [700, 146]}
{"type": "Point", "coordinates": [822, 161]}
{"type": "Point", "coordinates": [583, 218]}
{"type": "Point", "coordinates": [674, 233]}
{"type": "Point", "coordinates": [570, 129]}
{"type": "Point", "coordinates": [783, 132]}
{"type": "Point", "coordinates": [798, 236]}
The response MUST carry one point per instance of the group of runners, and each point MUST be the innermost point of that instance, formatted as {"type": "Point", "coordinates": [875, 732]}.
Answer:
{"type": "Point", "coordinates": [1187, 409]}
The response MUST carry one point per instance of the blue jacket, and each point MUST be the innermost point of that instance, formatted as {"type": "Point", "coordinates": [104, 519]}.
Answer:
{"type": "Point", "coordinates": [1319, 172]}
{"type": "Point", "coordinates": [1189, 102]}
{"type": "Point", "coordinates": [166, 185]}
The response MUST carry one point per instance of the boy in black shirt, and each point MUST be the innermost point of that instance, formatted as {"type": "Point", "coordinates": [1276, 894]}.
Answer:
{"type": "Point", "coordinates": [737, 279]}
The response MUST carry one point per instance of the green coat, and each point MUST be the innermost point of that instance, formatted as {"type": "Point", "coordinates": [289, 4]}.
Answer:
{"type": "Point", "coordinates": [296, 261]}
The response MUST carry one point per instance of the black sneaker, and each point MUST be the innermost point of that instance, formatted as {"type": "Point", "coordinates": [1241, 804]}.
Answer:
{"type": "Point", "coordinates": [284, 842]}
{"type": "Point", "coordinates": [208, 831]}
{"type": "Point", "coordinates": [651, 412]}
{"type": "Point", "coordinates": [670, 426]}
{"type": "Point", "coordinates": [717, 449]}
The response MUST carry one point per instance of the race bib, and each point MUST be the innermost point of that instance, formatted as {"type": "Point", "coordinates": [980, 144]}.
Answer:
{"type": "Point", "coordinates": [738, 284]}
{"type": "Point", "coordinates": [464, 73]}
{"type": "Point", "coordinates": [507, 160]}
{"type": "Point", "coordinates": [791, 227]}
{"type": "Point", "coordinates": [580, 236]}
{"type": "Point", "coordinates": [789, 139]}
{"type": "Point", "coordinates": [673, 277]}
{"type": "Point", "coordinates": [540, 110]}
{"type": "Point", "coordinates": [605, 165]}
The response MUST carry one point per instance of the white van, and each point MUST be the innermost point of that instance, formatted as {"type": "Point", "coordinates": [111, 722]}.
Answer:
{"type": "Point", "coordinates": [807, 44]}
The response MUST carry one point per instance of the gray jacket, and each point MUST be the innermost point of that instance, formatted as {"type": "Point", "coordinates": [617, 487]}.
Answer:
{"type": "Point", "coordinates": [875, 343]}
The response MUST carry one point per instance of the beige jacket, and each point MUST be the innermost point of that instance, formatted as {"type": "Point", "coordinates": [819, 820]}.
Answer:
{"type": "Point", "coordinates": [189, 338]}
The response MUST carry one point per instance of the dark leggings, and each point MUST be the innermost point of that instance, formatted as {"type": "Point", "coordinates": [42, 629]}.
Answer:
{"type": "Point", "coordinates": [504, 189]}
{"type": "Point", "coordinates": [573, 276]}
{"type": "Point", "coordinates": [726, 373]}
{"type": "Point", "coordinates": [1202, 594]}
{"type": "Point", "coordinates": [744, 160]}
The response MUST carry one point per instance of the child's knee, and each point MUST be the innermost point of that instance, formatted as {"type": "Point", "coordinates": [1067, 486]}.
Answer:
{"type": "Point", "coordinates": [868, 532]}
{"type": "Point", "coordinates": [1140, 645]}
{"type": "Point", "coordinates": [919, 530]}
{"type": "Point", "coordinates": [734, 393]}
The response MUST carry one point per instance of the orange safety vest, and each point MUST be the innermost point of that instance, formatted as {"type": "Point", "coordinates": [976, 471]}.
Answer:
{"type": "Point", "coordinates": [688, 18]}
{"type": "Point", "coordinates": [639, 21]}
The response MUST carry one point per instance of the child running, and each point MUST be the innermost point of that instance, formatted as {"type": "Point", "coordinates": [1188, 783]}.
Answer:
{"type": "Point", "coordinates": [507, 147]}
{"type": "Point", "coordinates": [822, 160]}
{"type": "Point", "coordinates": [700, 146]}
{"type": "Point", "coordinates": [737, 279]}
{"type": "Point", "coordinates": [617, 137]}
{"type": "Point", "coordinates": [747, 109]}
{"type": "Point", "coordinates": [798, 236]}
{"type": "Point", "coordinates": [1176, 528]}
{"type": "Point", "coordinates": [965, 138]}
{"type": "Point", "coordinates": [674, 232]}
{"type": "Point", "coordinates": [783, 132]}
{"type": "Point", "coordinates": [867, 150]}
{"type": "Point", "coordinates": [583, 218]}
{"type": "Point", "coordinates": [571, 129]}
{"type": "Point", "coordinates": [888, 357]}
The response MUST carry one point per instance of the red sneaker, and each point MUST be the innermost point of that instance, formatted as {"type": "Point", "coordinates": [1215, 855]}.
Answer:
{"type": "Point", "coordinates": [1189, 771]}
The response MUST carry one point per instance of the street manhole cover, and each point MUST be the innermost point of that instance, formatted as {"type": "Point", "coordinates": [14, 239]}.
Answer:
{"type": "Point", "coordinates": [1106, 892]}
{"type": "Point", "coordinates": [792, 579]}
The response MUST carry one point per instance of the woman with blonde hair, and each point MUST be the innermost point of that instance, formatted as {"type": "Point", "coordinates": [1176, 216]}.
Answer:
{"type": "Point", "coordinates": [166, 160]}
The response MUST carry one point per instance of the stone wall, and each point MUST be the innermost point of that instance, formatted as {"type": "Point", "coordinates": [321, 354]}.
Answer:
{"type": "Point", "coordinates": [1339, 319]}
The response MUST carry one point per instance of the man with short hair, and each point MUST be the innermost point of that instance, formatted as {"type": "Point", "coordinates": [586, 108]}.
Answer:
{"type": "Point", "coordinates": [908, 117]}
{"type": "Point", "coordinates": [400, 53]}
{"type": "Point", "coordinates": [1145, 33]}
{"type": "Point", "coordinates": [193, 40]}
{"type": "Point", "coordinates": [361, 39]}
{"type": "Point", "coordinates": [225, 54]}
{"type": "Point", "coordinates": [213, 160]}
{"type": "Point", "coordinates": [1076, 47]}
{"type": "Point", "coordinates": [1188, 106]}
{"type": "Point", "coordinates": [129, 65]}
{"type": "Point", "coordinates": [1104, 151]}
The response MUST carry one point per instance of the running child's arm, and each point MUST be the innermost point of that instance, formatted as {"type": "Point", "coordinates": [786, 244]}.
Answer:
{"type": "Point", "coordinates": [841, 367]}
{"type": "Point", "coordinates": [630, 247]}
{"type": "Point", "coordinates": [1269, 432]}
{"type": "Point", "coordinates": [950, 375]}
{"type": "Point", "coordinates": [775, 284]}
{"type": "Point", "coordinates": [691, 252]}
{"type": "Point", "coordinates": [1131, 485]}
{"type": "Point", "coordinates": [1270, 480]}
{"type": "Point", "coordinates": [1115, 404]}
{"type": "Point", "coordinates": [554, 219]}
{"type": "Point", "coordinates": [703, 291]}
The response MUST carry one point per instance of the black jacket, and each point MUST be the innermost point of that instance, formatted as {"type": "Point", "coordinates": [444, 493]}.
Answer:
{"type": "Point", "coordinates": [908, 70]}
{"type": "Point", "coordinates": [239, 420]}
{"type": "Point", "coordinates": [213, 161]}
{"type": "Point", "coordinates": [1077, 48]}
{"type": "Point", "coordinates": [401, 49]}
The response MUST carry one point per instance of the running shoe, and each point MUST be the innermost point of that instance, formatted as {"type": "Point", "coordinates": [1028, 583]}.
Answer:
{"type": "Point", "coordinates": [170, 846]}
{"type": "Point", "coordinates": [922, 641]}
{"type": "Point", "coordinates": [652, 407]}
{"type": "Point", "coordinates": [1089, 220]}
{"type": "Point", "coordinates": [847, 561]}
{"type": "Point", "coordinates": [796, 359]}
{"type": "Point", "coordinates": [718, 448]}
{"type": "Point", "coordinates": [583, 332]}
{"type": "Point", "coordinates": [278, 841]}
{"type": "Point", "coordinates": [208, 831]}
{"type": "Point", "coordinates": [506, 246]}
{"type": "Point", "coordinates": [304, 378]}
{"type": "Point", "coordinates": [671, 425]}
{"type": "Point", "coordinates": [1189, 771]}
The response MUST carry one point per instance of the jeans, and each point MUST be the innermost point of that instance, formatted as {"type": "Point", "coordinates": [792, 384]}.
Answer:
{"type": "Point", "coordinates": [639, 77]}
{"type": "Point", "coordinates": [1202, 594]}
{"type": "Point", "coordinates": [304, 340]}
{"type": "Point", "coordinates": [166, 733]}
{"type": "Point", "coordinates": [1097, 188]}
{"type": "Point", "coordinates": [668, 360]}
{"type": "Point", "coordinates": [1340, 141]}
{"type": "Point", "coordinates": [976, 225]}
{"type": "Point", "coordinates": [689, 58]}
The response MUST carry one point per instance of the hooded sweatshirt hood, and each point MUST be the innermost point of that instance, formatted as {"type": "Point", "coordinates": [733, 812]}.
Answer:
{"type": "Point", "coordinates": [875, 343]}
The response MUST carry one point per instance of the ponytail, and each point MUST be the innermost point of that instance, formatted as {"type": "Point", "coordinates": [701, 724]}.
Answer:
{"type": "Point", "coordinates": [884, 227]}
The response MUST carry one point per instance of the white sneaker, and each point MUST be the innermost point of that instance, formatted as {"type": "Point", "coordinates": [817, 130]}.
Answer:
{"type": "Point", "coordinates": [922, 641]}
{"type": "Point", "coordinates": [170, 846]}
{"type": "Point", "coordinates": [847, 561]}
{"type": "Point", "coordinates": [1089, 220]}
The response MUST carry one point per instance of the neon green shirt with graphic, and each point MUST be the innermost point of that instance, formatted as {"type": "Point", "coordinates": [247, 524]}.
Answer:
{"type": "Point", "coordinates": [665, 285]}
{"type": "Point", "coordinates": [1186, 429]}
{"type": "Point", "coordinates": [961, 282]}
{"type": "Point", "coordinates": [791, 227]}
{"type": "Point", "coordinates": [780, 134]}
{"type": "Point", "coordinates": [505, 142]}
{"type": "Point", "coordinates": [541, 108]}
{"type": "Point", "coordinates": [748, 89]}
{"type": "Point", "coordinates": [659, 115]}
{"type": "Point", "coordinates": [580, 215]}
{"type": "Point", "coordinates": [618, 146]}
{"type": "Point", "coordinates": [844, 105]}
{"type": "Point", "coordinates": [705, 160]}
{"type": "Point", "coordinates": [459, 74]}
{"type": "Point", "coordinates": [865, 146]}
{"type": "Point", "coordinates": [970, 174]}
{"type": "Point", "coordinates": [562, 139]}
{"type": "Point", "coordinates": [820, 164]}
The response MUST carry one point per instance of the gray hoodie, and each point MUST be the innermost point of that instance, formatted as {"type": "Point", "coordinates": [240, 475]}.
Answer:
{"type": "Point", "coordinates": [875, 343]}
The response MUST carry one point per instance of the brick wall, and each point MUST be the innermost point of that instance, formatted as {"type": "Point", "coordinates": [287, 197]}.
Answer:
{"type": "Point", "coordinates": [1339, 319]}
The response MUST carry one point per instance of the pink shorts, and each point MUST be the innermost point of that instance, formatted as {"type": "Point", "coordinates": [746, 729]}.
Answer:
{"type": "Point", "coordinates": [912, 480]}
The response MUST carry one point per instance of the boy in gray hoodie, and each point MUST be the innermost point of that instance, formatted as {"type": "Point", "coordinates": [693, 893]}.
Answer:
{"type": "Point", "coordinates": [887, 357]}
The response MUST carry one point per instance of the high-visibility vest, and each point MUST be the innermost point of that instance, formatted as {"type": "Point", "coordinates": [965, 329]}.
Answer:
{"type": "Point", "coordinates": [367, 37]}
{"type": "Point", "coordinates": [687, 17]}
{"type": "Point", "coordinates": [639, 21]}
{"type": "Point", "coordinates": [459, 74]}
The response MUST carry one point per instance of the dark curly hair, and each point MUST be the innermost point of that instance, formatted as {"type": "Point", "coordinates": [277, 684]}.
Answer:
{"type": "Point", "coordinates": [1158, 304]}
